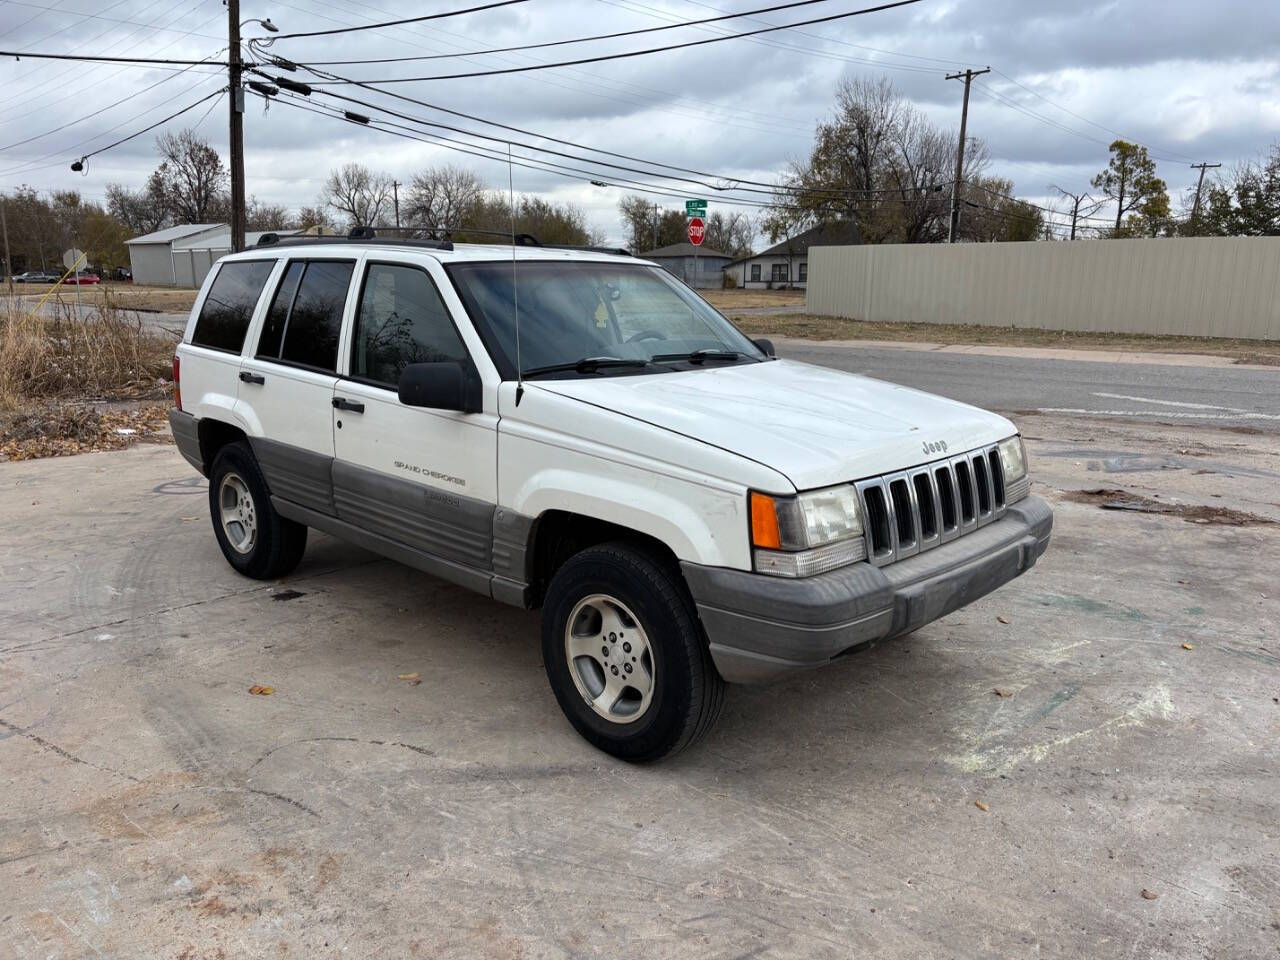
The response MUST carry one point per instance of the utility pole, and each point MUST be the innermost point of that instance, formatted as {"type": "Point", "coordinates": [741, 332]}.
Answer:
{"type": "Point", "coordinates": [655, 227]}
{"type": "Point", "coordinates": [1195, 207]}
{"type": "Point", "coordinates": [395, 200]}
{"type": "Point", "coordinates": [237, 125]}
{"type": "Point", "coordinates": [4, 229]}
{"type": "Point", "coordinates": [967, 76]}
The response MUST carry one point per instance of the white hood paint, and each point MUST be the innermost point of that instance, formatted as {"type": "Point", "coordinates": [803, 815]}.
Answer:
{"type": "Point", "coordinates": [814, 425]}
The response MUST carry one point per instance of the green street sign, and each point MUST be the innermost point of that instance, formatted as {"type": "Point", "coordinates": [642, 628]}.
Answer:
{"type": "Point", "coordinates": [695, 208]}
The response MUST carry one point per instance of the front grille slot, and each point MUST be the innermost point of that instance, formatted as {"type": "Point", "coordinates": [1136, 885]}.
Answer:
{"type": "Point", "coordinates": [997, 477]}
{"type": "Point", "coordinates": [964, 481]}
{"type": "Point", "coordinates": [902, 512]}
{"type": "Point", "coordinates": [878, 531]}
{"type": "Point", "coordinates": [947, 498]}
{"type": "Point", "coordinates": [924, 501]}
{"type": "Point", "coordinates": [982, 482]}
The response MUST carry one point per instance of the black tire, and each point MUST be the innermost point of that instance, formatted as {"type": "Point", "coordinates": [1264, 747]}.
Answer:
{"type": "Point", "coordinates": [687, 692]}
{"type": "Point", "coordinates": [278, 544]}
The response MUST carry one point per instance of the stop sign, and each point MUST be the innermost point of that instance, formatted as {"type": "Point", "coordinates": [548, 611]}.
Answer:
{"type": "Point", "coordinates": [697, 230]}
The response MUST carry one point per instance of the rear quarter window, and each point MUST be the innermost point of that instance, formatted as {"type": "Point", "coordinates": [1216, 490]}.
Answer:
{"type": "Point", "coordinates": [228, 308]}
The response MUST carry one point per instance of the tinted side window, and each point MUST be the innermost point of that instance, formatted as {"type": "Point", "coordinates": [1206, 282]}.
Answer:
{"type": "Point", "coordinates": [228, 308]}
{"type": "Point", "coordinates": [278, 314]}
{"type": "Point", "coordinates": [311, 332]}
{"type": "Point", "coordinates": [401, 320]}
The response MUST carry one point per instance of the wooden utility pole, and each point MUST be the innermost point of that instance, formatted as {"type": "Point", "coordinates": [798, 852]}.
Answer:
{"type": "Point", "coordinates": [395, 200]}
{"type": "Point", "coordinates": [1195, 207]}
{"type": "Point", "coordinates": [237, 125]}
{"type": "Point", "coordinates": [967, 77]}
{"type": "Point", "coordinates": [4, 229]}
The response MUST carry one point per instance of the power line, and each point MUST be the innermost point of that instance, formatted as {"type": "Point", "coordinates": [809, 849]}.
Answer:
{"type": "Point", "coordinates": [90, 116]}
{"type": "Point", "coordinates": [560, 43]}
{"type": "Point", "coordinates": [591, 85]}
{"type": "Point", "coordinates": [396, 23]}
{"type": "Point", "coordinates": [91, 16]}
{"type": "Point", "coordinates": [642, 53]}
{"type": "Point", "coordinates": [1041, 96]}
{"type": "Point", "coordinates": [92, 58]}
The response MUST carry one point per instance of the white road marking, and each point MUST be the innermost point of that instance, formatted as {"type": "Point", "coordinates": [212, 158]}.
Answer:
{"type": "Point", "coordinates": [1179, 414]}
{"type": "Point", "coordinates": [1168, 403]}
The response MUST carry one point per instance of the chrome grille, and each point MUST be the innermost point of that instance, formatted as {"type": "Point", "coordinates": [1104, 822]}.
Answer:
{"type": "Point", "coordinates": [918, 509]}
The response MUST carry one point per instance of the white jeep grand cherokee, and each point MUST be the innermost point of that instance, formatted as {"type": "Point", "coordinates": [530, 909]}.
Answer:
{"type": "Point", "coordinates": [685, 508]}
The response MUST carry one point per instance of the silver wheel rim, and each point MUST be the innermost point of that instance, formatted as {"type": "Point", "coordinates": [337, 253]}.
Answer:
{"type": "Point", "coordinates": [237, 514]}
{"type": "Point", "coordinates": [609, 658]}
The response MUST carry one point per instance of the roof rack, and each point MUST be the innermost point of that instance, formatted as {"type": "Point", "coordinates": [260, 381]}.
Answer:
{"type": "Point", "coordinates": [356, 235]}
{"type": "Point", "coordinates": [434, 238]}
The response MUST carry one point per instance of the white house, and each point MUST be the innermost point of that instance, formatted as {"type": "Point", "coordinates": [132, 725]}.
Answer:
{"type": "Point", "coordinates": [785, 265]}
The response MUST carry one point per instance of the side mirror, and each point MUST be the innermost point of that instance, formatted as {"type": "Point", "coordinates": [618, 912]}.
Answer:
{"type": "Point", "coordinates": [447, 385]}
{"type": "Point", "coordinates": [766, 346]}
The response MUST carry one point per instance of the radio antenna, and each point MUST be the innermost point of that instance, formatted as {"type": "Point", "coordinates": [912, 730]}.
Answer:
{"type": "Point", "coordinates": [515, 294]}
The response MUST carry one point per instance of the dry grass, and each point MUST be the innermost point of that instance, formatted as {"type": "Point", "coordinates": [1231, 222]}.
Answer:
{"type": "Point", "coordinates": [122, 296]}
{"type": "Point", "coordinates": [103, 353]}
{"type": "Point", "coordinates": [730, 300]}
{"type": "Point", "coordinates": [808, 327]}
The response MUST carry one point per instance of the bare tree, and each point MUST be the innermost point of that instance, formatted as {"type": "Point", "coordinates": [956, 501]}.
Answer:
{"type": "Point", "coordinates": [1083, 205]}
{"type": "Point", "coordinates": [141, 211]}
{"type": "Point", "coordinates": [730, 233]}
{"type": "Point", "coordinates": [191, 179]}
{"type": "Point", "coordinates": [442, 197]}
{"type": "Point", "coordinates": [309, 217]}
{"type": "Point", "coordinates": [358, 194]}
{"type": "Point", "coordinates": [266, 216]}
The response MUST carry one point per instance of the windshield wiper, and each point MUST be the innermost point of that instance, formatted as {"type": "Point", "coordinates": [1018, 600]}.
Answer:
{"type": "Point", "coordinates": [587, 365]}
{"type": "Point", "coordinates": [701, 356]}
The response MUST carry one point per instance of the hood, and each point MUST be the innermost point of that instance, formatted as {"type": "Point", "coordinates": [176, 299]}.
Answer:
{"type": "Point", "coordinates": [814, 425]}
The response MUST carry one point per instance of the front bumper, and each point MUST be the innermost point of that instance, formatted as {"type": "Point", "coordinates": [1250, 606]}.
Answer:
{"type": "Point", "coordinates": [762, 628]}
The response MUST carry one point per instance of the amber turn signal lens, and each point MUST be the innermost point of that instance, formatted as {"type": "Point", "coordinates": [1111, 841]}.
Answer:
{"type": "Point", "coordinates": [764, 522]}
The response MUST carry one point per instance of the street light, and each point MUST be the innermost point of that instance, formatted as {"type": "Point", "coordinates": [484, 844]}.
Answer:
{"type": "Point", "coordinates": [265, 24]}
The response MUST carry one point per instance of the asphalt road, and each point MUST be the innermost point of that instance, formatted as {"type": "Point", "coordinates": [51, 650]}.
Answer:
{"type": "Point", "coordinates": [1217, 396]}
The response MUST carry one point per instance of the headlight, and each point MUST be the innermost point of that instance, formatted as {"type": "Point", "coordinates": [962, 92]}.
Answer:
{"type": "Point", "coordinates": [806, 534]}
{"type": "Point", "coordinates": [1013, 458]}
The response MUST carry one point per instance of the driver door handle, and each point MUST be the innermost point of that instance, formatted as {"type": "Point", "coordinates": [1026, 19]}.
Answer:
{"type": "Point", "coordinates": [248, 377]}
{"type": "Point", "coordinates": [354, 406]}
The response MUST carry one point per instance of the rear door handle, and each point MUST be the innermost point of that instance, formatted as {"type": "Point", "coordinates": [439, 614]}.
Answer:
{"type": "Point", "coordinates": [248, 377]}
{"type": "Point", "coordinates": [341, 403]}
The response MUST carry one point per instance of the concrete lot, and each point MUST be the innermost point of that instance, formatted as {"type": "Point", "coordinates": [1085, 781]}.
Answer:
{"type": "Point", "coordinates": [151, 807]}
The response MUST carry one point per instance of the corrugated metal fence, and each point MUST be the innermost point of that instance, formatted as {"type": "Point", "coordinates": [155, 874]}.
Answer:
{"type": "Point", "coordinates": [1204, 286]}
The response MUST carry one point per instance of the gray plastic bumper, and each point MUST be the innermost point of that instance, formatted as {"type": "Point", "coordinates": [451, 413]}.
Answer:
{"type": "Point", "coordinates": [762, 628]}
{"type": "Point", "coordinates": [186, 434]}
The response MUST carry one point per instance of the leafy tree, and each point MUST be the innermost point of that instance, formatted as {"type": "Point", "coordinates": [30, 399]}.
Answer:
{"type": "Point", "coordinates": [309, 217]}
{"type": "Point", "coordinates": [1130, 181]}
{"type": "Point", "coordinates": [549, 222]}
{"type": "Point", "coordinates": [359, 195]}
{"type": "Point", "coordinates": [1246, 203]}
{"type": "Point", "coordinates": [191, 180]}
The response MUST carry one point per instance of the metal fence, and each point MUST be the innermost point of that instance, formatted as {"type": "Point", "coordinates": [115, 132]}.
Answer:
{"type": "Point", "coordinates": [1204, 286]}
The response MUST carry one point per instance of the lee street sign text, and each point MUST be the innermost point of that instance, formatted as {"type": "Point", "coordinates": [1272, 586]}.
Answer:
{"type": "Point", "coordinates": [695, 208]}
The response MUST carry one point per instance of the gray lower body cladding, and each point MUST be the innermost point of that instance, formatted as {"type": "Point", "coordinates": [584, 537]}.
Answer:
{"type": "Point", "coordinates": [186, 434]}
{"type": "Point", "coordinates": [762, 628]}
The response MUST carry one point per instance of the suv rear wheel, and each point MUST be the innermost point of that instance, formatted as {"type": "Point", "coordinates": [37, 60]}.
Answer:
{"type": "Point", "coordinates": [625, 653]}
{"type": "Point", "coordinates": [255, 539]}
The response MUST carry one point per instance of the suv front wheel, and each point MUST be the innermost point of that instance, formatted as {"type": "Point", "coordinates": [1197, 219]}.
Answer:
{"type": "Point", "coordinates": [255, 539]}
{"type": "Point", "coordinates": [625, 654]}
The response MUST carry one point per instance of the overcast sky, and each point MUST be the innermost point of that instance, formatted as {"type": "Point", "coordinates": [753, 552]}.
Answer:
{"type": "Point", "coordinates": [1193, 81]}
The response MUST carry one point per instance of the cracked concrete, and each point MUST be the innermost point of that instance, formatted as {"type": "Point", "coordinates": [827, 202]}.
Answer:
{"type": "Point", "coordinates": [153, 808]}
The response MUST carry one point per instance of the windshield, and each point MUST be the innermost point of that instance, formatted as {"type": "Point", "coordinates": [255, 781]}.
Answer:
{"type": "Point", "coordinates": [580, 318]}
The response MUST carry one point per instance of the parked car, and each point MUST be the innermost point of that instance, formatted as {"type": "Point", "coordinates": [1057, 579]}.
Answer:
{"type": "Point", "coordinates": [686, 509]}
{"type": "Point", "coordinates": [36, 276]}
{"type": "Point", "coordinates": [83, 278]}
